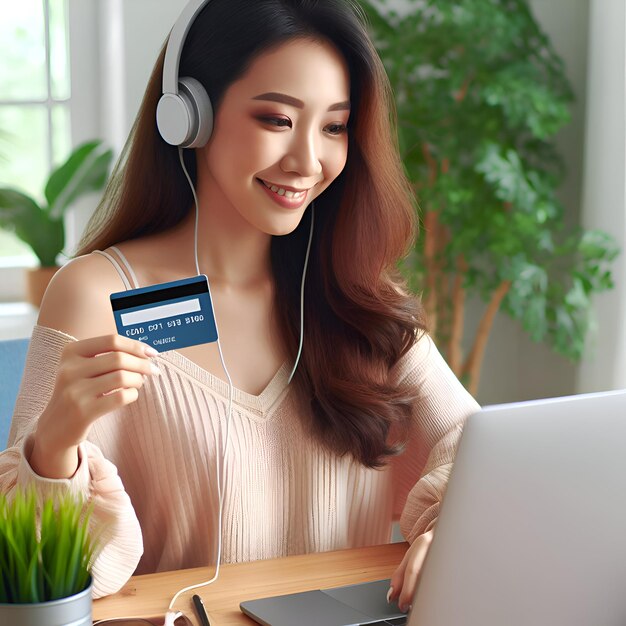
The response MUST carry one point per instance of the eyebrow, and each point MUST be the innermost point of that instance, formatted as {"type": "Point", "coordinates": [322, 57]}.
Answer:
{"type": "Point", "coordinates": [272, 96]}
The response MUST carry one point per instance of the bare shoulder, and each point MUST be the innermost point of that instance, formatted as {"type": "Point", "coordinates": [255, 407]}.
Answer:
{"type": "Point", "coordinates": [159, 257]}
{"type": "Point", "coordinates": [77, 299]}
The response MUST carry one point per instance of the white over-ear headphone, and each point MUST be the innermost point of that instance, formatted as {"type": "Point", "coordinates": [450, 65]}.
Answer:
{"type": "Point", "coordinates": [184, 113]}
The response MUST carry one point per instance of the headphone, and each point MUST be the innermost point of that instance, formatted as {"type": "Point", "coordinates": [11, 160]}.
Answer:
{"type": "Point", "coordinates": [184, 113]}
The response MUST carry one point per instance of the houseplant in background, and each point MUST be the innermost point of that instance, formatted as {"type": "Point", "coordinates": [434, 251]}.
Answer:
{"type": "Point", "coordinates": [41, 226]}
{"type": "Point", "coordinates": [480, 94]}
{"type": "Point", "coordinates": [44, 561]}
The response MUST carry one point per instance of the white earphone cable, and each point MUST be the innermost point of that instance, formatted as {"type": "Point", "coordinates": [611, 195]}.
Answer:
{"type": "Point", "coordinates": [195, 199]}
{"type": "Point", "coordinates": [218, 465]}
{"type": "Point", "coordinates": [306, 263]}
{"type": "Point", "coordinates": [171, 616]}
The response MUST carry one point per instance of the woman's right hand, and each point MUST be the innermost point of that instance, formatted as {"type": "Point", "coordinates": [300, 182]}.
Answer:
{"type": "Point", "coordinates": [95, 376]}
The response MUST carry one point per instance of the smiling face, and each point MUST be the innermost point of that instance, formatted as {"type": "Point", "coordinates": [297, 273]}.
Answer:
{"type": "Point", "coordinates": [280, 136]}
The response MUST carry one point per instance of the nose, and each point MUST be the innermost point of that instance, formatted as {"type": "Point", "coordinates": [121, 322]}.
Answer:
{"type": "Point", "coordinates": [302, 157]}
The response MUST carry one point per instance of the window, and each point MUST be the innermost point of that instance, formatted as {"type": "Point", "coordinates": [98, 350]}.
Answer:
{"type": "Point", "coordinates": [34, 104]}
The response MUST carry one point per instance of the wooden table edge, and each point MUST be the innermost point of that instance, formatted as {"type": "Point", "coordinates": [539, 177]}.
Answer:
{"type": "Point", "coordinates": [150, 594]}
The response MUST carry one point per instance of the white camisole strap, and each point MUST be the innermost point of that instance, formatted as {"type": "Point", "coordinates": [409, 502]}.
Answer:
{"type": "Point", "coordinates": [128, 267]}
{"type": "Point", "coordinates": [120, 271]}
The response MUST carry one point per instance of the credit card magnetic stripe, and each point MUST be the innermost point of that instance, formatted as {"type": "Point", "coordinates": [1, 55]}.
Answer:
{"type": "Point", "coordinates": [157, 293]}
{"type": "Point", "coordinates": [167, 316]}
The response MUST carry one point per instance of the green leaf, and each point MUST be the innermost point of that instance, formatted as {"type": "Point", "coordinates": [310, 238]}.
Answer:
{"type": "Point", "coordinates": [32, 578]}
{"type": "Point", "coordinates": [85, 170]}
{"type": "Point", "coordinates": [23, 216]}
{"type": "Point", "coordinates": [47, 239]}
{"type": "Point", "coordinates": [18, 212]}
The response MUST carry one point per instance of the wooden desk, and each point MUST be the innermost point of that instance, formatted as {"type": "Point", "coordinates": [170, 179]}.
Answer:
{"type": "Point", "coordinates": [151, 594]}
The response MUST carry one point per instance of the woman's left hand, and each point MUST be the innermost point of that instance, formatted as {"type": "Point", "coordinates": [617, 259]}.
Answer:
{"type": "Point", "coordinates": [404, 580]}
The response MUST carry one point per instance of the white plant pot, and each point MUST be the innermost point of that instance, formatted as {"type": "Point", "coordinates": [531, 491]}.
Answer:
{"type": "Point", "coordinates": [74, 611]}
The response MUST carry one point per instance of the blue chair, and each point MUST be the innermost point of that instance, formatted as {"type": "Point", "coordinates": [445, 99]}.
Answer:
{"type": "Point", "coordinates": [12, 359]}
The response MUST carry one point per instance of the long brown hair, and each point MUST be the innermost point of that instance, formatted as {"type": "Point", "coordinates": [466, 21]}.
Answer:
{"type": "Point", "coordinates": [359, 319]}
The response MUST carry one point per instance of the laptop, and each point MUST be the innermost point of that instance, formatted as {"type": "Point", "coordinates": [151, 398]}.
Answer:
{"type": "Point", "coordinates": [532, 531]}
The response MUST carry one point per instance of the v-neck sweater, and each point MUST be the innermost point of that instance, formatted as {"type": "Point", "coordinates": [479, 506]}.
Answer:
{"type": "Point", "coordinates": [149, 468]}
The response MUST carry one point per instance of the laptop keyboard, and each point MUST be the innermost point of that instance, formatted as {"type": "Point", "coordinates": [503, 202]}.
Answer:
{"type": "Point", "coordinates": [392, 621]}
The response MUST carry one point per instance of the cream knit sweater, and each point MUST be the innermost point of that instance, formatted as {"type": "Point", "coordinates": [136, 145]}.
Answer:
{"type": "Point", "coordinates": [150, 468]}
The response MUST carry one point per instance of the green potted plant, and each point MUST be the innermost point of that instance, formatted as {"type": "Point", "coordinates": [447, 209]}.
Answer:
{"type": "Point", "coordinates": [41, 226]}
{"type": "Point", "coordinates": [44, 561]}
{"type": "Point", "coordinates": [481, 93]}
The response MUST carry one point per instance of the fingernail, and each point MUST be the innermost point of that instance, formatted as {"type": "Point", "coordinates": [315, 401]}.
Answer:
{"type": "Point", "coordinates": [389, 594]}
{"type": "Point", "coordinates": [403, 607]}
{"type": "Point", "coordinates": [150, 351]}
{"type": "Point", "coordinates": [155, 369]}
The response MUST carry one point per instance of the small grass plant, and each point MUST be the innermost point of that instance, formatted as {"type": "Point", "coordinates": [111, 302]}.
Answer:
{"type": "Point", "coordinates": [44, 554]}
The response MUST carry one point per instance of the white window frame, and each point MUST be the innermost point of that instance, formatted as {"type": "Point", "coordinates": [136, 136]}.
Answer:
{"type": "Point", "coordinates": [83, 61]}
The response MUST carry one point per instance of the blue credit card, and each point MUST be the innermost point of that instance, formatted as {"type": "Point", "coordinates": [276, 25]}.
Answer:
{"type": "Point", "coordinates": [167, 316]}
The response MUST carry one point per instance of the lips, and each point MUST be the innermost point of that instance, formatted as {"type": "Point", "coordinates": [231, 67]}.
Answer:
{"type": "Point", "coordinates": [286, 197]}
{"type": "Point", "coordinates": [289, 192]}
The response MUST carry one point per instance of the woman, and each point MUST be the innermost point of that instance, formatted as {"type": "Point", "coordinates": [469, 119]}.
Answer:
{"type": "Point", "coordinates": [367, 428]}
